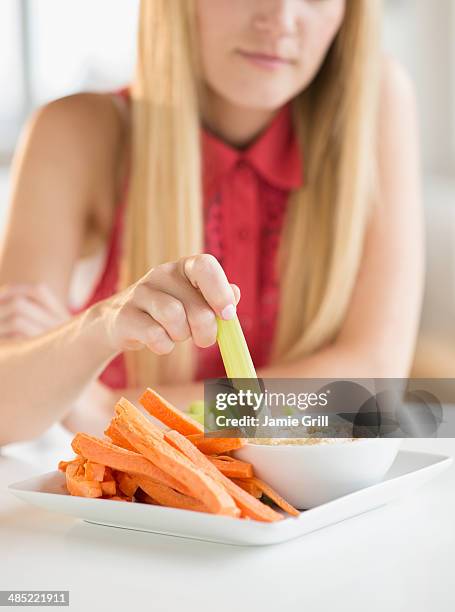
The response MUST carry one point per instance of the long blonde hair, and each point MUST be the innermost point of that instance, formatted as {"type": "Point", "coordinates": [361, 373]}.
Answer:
{"type": "Point", "coordinates": [321, 246]}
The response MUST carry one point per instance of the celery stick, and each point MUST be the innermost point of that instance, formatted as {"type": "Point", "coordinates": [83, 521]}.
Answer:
{"type": "Point", "coordinates": [234, 350]}
{"type": "Point", "coordinates": [236, 356]}
{"type": "Point", "coordinates": [237, 359]}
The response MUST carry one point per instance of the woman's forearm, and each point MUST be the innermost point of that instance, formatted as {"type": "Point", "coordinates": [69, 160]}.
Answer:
{"type": "Point", "coordinates": [43, 377]}
{"type": "Point", "coordinates": [343, 360]}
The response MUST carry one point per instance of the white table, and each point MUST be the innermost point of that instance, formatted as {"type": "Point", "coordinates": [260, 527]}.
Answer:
{"type": "Point", "coordinates": [399, 557]}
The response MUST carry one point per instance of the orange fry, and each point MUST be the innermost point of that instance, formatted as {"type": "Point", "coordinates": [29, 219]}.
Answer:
{"type": "Point", "coordinates": [116, 437]}
{"type": "Point", "coordinates": [165, 496]}
{"type": "Point", "coordinates": [216, 446]}
{"type": "Point", "coordinates": [77, 485]}
{"type": "Point", "coordinates": [275, 497]}
{"type": "Point", "coordinates": [127, 483]}
{"type": "Point", "coordinates": [247, 485]}
{"type": "Point", "coordinates": [170, 416]}
{"type": "Point", "coordinates": [232, 468]}
{"type": "Point", "coordinates": [94, 471]}
{"type": "Point", "coordinates": [62, 465]}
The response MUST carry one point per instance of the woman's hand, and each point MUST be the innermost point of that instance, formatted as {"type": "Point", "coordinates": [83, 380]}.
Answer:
{"type": "Point", "coordinates": [28, 310]}
{"type": "Point", "coordinates": [171, 303]}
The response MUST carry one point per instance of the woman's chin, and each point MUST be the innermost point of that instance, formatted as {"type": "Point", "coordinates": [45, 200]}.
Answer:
{"type": "Point", "coordinates": [264, 92]}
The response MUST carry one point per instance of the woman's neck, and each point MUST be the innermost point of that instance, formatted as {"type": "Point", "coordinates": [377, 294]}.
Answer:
{"type": "Point", "coordinates": [236, 125]}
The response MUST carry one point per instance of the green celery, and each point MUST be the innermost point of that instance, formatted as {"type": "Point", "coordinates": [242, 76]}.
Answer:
{"type": "Point", "coordinates": [234, 350]}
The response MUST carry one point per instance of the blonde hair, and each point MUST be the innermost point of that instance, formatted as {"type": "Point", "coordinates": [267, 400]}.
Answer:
{"type": "Point", "coordinates": [322, 240]}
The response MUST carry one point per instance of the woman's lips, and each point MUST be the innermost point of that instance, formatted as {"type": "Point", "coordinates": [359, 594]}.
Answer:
{"type": "Point", "coordinates": [269, 62]}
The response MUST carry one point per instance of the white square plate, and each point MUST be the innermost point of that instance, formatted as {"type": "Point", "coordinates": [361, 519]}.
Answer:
{"type": "Point", "coordinates": [409, 471]}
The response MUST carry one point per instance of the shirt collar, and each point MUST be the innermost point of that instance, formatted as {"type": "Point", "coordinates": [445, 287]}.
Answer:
{"type": "Point", "coordinates": [275, 154]}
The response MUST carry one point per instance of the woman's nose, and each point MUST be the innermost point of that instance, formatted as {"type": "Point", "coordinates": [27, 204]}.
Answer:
{"type": "Point", "coordinates": [278, 17]}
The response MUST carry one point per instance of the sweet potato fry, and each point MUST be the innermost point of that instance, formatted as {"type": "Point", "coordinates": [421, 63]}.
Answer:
{"type": "Point", "coordinates": [249, 505]}
{"type": "Point", "coordinates": [117, 438]}
{"type": "Point", "coordinates": [232, 468]}
{"type": "Point", "coordinates": [94, 471]}
{"type": "Point", "coordinates": [165, 496]}
{"type": "Point", "coordinates": [109, 487]}
{"type": "Point", "coordinates": [275, 497]}
{"type": "Point", "coordinates": [199, 485]}
{"type": "Point", "coordinates": [247, 485]}
{"type": "Point", "coordinates": [77, 485]}
{"type": "Point", "coordinates": [130, 413]}
{"type": "Point", "coordinates": [126, 483]}
{"type": "Point", "coordinates": [101, 451]}
{"type": "Point", "coordinates": [215, 446]}
{"type": "Point", "coordinates": [62, 465]}
{"type": "Point", "coordinates": [170, 416]}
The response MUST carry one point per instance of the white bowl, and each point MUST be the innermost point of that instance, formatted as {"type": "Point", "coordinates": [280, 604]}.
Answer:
{"type": "Point", "coordinates": [312, 474]}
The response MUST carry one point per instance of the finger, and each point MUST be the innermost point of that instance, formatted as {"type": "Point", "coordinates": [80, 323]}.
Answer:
{"type": "Point", "coordinates": [52, 301]}
{"type": "Point", "coordinates": [40, 293]}
{"type": "Point", "coordinates": [149, 333]}
{"type": "Point", "coordinates": [201, 318]}
{"type": "Point", "coordinates": [28, 309]}
{"type": "Point", "coordinates": [19, 326]}
{"type": "Point", "coordinates": [206, 274]}
{"type": "Point", "coordinates": [167, 310]}
{"type": "Point", "coordinates": [203, 323]}
{"type": "Point", "coordinates": [236, 291]}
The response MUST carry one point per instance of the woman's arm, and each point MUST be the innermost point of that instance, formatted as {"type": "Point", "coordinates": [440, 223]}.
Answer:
{"type": "Point", "coordinates": [62, 163]}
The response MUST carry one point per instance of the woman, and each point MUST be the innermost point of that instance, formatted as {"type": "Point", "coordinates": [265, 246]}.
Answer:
{"type": "Point", "coordinates": [266, 144]}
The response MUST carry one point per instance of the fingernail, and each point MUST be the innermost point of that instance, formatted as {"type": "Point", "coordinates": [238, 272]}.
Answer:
{"type": "Point", "coordinates": [228, 312]}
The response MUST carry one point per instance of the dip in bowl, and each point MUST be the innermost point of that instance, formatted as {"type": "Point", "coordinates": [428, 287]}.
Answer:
{"type": "Point", "coordinates": [309, 472]}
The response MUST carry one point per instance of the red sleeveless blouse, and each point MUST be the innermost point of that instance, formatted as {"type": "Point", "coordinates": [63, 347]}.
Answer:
{"type": "Point", "coordinates": [245, 197]}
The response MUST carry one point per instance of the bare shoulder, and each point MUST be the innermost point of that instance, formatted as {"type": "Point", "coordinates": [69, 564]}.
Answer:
{"type": "Point", "coordinates": [81, 128]}
{"type": "Point", "coordinates": [397, 93]}
{"type": "Point", "coordinates": [398, 140]}
{"type": "Point", "coordinates": [82, 110]}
